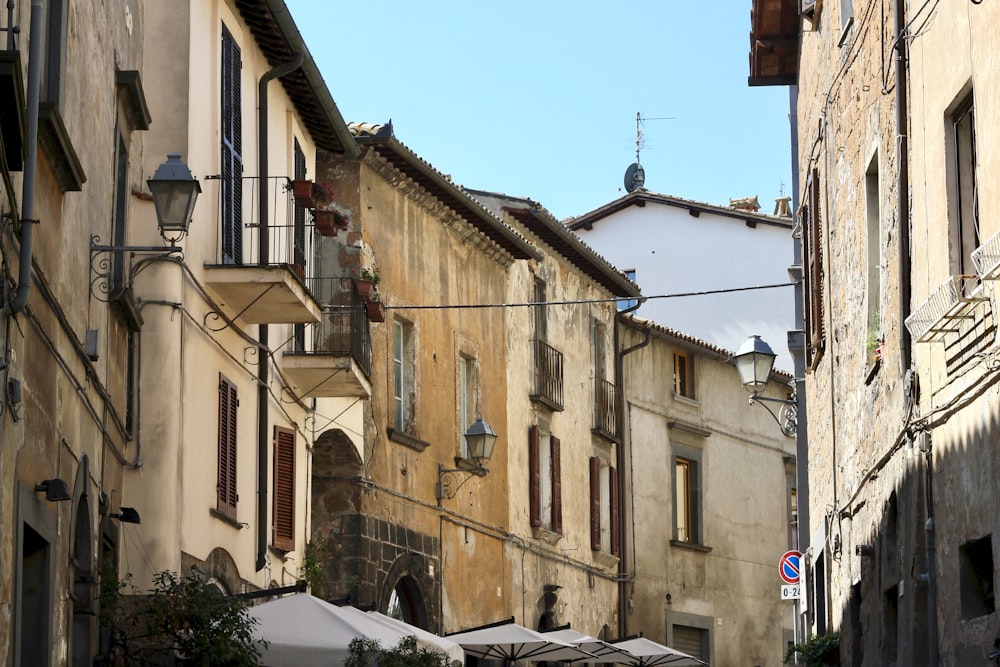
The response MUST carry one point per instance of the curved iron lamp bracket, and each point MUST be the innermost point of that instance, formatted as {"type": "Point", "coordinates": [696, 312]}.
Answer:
{"type": "Point", "coordinates": [103, 285]}
{"type": "Point", "coordinates": [447, 478]}
{"type": "Point", "coordinates": [786, 416]}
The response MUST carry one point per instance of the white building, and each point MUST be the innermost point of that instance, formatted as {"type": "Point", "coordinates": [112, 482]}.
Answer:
{"type": "Point", "coordinates": [673, 246]}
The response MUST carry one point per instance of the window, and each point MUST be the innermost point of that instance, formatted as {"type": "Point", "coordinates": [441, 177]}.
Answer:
{"type": "Point", "coordinates": [687, 493]}
{"type": "Point", "coordinates": [545, 502]}
{"type": "Point", "coordinates": [874, 259]}
{"type": "Point", "coordinates": [846, 18]}
{"type": "Point", "coordinates": [283, 521]}
{"type": "Point", "coordinates": [625, 304]}
{"type": "Point", "coordinates": [691, 634]}
{"type": "Point", "coordinates": [683, 473]}
{"type": "Point", "coordinates": [541, 311]}
{"type": "Point", "coordinates": [53, 51]}
{"type": "Point", "coordinates": [976, 577]}
{"type": "Point", "coordinates": [468, 383]}
{"type": "Point", "coordinates": [684, 374]}
{"type": "Point", "coordinates": [226, 488]}
{"type": "Point", "coordinates": [693, 641]}
{"type": "Point", "coordinates": [603, 506]}
{"type": "Point", "coordinates": [299, 239]}
{"type": "Point", "coordinates": [812, 252]}
{"type": "Point", "coordinates": [963, 188]}
{"type": "Point", "coordinates": [120, 221]}
{"type": "Point", "coordinates": [231, 183]}
{"type": "Point", "coordinates": [403, 367]}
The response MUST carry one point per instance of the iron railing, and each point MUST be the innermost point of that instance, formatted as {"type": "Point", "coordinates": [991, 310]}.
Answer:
{"type": "Point", "coordinates": [548, 375]}
{"type": "Point", "coordinates": [343, 327]}
{"type": "Point", "coordinates": [287, 236]}
{"type": "Point", "coordinates": [606, 408]}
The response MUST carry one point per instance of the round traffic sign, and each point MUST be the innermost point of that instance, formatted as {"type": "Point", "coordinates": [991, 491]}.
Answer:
{"type": "Point", "coordinates": [789, 567]}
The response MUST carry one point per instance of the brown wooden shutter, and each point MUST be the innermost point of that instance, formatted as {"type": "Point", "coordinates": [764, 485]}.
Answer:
{"type": "Point", "coordinates": [534, 479]}
{"type": "Point", "coordinates": [595, 503]}
{"type": "Point", "coordinates": [813, 252]}
{"type": "Point", "coordinates": [284, 489]}
{"type": "Point", "coordinates": [226, 485]}
{"type": "Point", "coordinates": [613, 500]}
{"type": "Point", "coordinates": [556, 487]}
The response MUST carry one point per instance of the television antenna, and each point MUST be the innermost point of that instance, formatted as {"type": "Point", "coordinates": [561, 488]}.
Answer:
{"type": "Point", "coordinates": [635, 175]}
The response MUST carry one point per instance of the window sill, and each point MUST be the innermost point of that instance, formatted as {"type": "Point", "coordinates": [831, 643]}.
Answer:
{"type": "Point", "coordinates": [690, 546]}
{"type": "Point", "coordinates": [605, 559]}
{"type": "Point", "coordinates": [873, 370]}
{"type": "Point", "coordinates": [227, 519]}
{"type": "Point", "coordinates": [606, 435]}
{"type": "Point", "coordinates": [407, 440]}
{"type": "Point", "coordinates": [681, 398]}
{"type": "Point", "coordinates": [545, 535]}
{"type": "Point", "coordinates": [54, 140]}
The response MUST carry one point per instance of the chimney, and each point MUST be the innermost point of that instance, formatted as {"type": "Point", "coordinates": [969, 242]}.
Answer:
{"type": "Point", "coordinates": [745, 204]}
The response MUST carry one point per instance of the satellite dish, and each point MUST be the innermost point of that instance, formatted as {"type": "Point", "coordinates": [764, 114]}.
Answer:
{"type": "Point", "coordinates": [634, 177]}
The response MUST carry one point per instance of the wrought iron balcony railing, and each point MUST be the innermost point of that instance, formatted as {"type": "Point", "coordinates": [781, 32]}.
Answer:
{"type": "Point", "coordinates": [343, 329]}
{"type": "Point", "coordinates": [606, 409]}
{"type": "Point", "coordinates": [548, 375]}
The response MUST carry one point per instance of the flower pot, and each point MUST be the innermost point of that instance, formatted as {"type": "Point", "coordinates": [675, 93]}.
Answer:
{"type": "Point", "coordinates": [375, 311]}
{"type": "Point", "coordinates": [366, 288]}
{"type": "Point", "coordinates": [303, 193]}
{"type": "Point", "coordinates": [325, 222]}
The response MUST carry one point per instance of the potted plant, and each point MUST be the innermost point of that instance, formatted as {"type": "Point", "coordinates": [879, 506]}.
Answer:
{"type": "Point", "coordinates": [325, 222]}
{"type": "Point", "coordinates": [322, 194]}
{"type": "Point", "coordinates": [302, 190]}
{"type": "Point", "coordinates": [375, 310]}
{"type": "Point", "coordinates": [366, 281]}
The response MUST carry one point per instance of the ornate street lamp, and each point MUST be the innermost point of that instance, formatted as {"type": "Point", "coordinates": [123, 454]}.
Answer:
{"type": "Point", "coordinates": [754, 362]}
{"type": "Point", "coordinates": [480, 440]}
{"type": "Point", "coordinates": [175, 191]}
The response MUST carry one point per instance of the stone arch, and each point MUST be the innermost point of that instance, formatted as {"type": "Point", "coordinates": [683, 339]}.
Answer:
{"type": "Point", "coordinates": [219, 567]}
{"type": "Point", "coordinates": [406, 592]}
{"type": "Point", "coordinates": [336, 465]}
{"type": "Point", "coordinates": [84, 569]}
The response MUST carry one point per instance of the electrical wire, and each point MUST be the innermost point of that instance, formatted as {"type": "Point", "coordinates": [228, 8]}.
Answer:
{"type": "Point", "coordinates": [528, 304]}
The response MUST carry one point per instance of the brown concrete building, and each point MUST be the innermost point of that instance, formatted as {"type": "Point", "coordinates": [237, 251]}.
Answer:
{"type": "Point", "coordinates": [896, 110]}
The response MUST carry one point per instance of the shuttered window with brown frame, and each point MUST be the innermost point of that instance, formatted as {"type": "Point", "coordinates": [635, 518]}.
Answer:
{"type": "Point", "coordinates": [597, 491]}
{"type": "Point", "coordinates": [553, 491]}
{"type": "Point", "coordinates": [595, 503]}
{"type": "Point", "coordinates": [556, 485]}
{"type": "Point", "coordinates": [283, 520]}
{"type": "Point", "coordinates": [226, 485]}
{"type": "Point", "coordinates": [812, 251]}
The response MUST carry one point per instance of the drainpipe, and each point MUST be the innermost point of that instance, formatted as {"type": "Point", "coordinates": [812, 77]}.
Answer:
{"type": "Point", "coordinates": [20, 300]}
{"type": "Point", "coordinates": [620, 456]}
{"type": "Point", "coordinates": [903, 185]}
{"type": "Point", "coordinates": [932, 629]}
{"type": "Point", "coordinates": [262, 258]}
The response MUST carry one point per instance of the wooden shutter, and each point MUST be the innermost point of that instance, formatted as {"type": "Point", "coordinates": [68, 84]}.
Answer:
{"type": "Point", "coordinates": [283, 521]}
{"type": "Point", "coordinates": [812, 251]}
{"type": "Point", "coordinates": [556, 486]}
{"type": "Point", "coordinates": [231, 183]}
{"type": "Point", "coordinates": [595, 503]}
{"type": "Point", "coordinates": [226, 485]}
{"type": "Point", "coordinates": [613, 501]}
{"type": "Point", "coordinates": [534, 479]}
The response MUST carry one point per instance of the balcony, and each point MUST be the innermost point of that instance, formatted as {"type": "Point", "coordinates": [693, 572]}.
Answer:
{"type": "Point", "coordinates": [548, 375]}
{"type": "Point", "coordinates": [606, 410]}
{"type": "Point", "coordinates": [332, 357]}
{"type": "Point", "coordinates": [946, 310]}
{"type": "Point", "coordinates": [258, 272]}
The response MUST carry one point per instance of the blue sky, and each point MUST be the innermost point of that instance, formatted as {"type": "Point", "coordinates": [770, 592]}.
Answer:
{"type": "Point", "coordinates": [539, 99]}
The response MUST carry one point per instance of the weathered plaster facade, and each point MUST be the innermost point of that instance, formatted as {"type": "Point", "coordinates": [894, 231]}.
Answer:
{"type": "Point", "coordinates": [719, 585]}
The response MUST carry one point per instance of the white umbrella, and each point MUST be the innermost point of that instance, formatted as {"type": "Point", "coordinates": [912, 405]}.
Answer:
{"type": "Point", "coordinates": [510, 641]}
{"type": "Point", "coordinates": [601, 651]}
{"type": "Point", "coordinates": [648, 653]}
{"type": "Point", "coordinates": [304, 631]}
{"type": "Point", "coordinates": [425, 638]}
